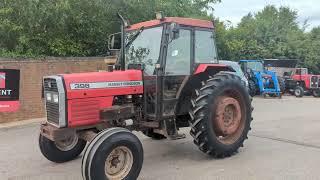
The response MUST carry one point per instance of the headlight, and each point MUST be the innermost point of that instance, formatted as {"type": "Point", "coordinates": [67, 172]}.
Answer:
{"type": "Point", "coordinates": [48, 97]}
{"type": "Point", "coordinates": [55, 98]}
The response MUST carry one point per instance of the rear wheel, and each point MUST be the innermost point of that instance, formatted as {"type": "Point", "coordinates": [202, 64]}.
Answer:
{"type": "Point", "coordinates": [299, 91]}
{"type": "Point", "coordinates": [221, 115]}
{"type": "Point", "coordinates": [252, 88]}
{"type": "Point", "coordinates": [63, 150]}
{"type": "Point", "coordinates": [113, 154]}
{"type": "Point", "coordinates": [316, 93]}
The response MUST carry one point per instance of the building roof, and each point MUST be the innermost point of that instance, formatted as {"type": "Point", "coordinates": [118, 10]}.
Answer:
{"type": "Point", "coordinates": [181, 21]}
{"type": "Point", "coordinates": [285, 63]}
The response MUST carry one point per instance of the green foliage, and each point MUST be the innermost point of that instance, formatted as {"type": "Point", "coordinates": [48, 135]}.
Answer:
{"type": "Point", "coordinates": [32, 28]}
{"type": "Point", "coordinates": [272, 33]}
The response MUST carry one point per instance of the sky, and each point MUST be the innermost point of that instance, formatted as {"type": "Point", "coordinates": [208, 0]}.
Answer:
{"type": "Point", "coordinates": [234, 10]}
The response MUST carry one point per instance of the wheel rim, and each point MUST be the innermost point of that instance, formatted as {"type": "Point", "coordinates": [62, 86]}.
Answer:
{"type": "Point", "coordinates": [67, 144]}
{"type": "Point", "coordinates": [118, 163]}
{"type": "Point", "coordinates": [297, 92]}
{"type": "Point", "coordinates": [228, 122]}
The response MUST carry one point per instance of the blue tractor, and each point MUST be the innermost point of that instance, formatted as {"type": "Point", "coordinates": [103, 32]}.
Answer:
{"type": "Point", "coordinates": [262, 81]}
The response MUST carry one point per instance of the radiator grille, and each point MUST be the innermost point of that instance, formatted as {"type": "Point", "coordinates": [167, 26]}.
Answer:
{"type": "Point", "coordinates": [53, 112]}
{"type": "Point", "coordinates": [314, 82]}
{"type": "Point", "coordinates": [50, 85]}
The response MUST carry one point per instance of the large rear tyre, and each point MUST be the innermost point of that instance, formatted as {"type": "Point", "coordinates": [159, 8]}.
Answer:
{"type": "Point", "coordinates": [153, 135]}
{"type": "Point", "coordinates": [316, 93]}
{"type": "Point", "coordinates": [61, 151]}
{"type": "Point", "coordinates": [221, 115]}
{"type": "Point", "coordinates": [113, 154]}
{"type": "Point", "coordinates": [299, 92]}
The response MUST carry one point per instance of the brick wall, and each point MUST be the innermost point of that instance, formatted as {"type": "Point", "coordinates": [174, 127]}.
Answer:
{"type": "Point", "coordinates": [32, 72]}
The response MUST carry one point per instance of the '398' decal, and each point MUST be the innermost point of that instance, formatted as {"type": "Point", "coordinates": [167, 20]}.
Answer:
{"type": "Point", "coordinates": [80, 86]}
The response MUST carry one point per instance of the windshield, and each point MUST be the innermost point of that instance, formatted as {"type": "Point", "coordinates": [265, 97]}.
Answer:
{"type": "Point", "coordinates": [145, 48]}
{"type": "Point", "coordinates": [256, 66]}
{"type": "Point", "coordinates": [205, 47]}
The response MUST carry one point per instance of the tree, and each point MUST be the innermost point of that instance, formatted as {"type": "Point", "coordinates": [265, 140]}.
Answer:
{"type": "Point", "coordinates": [271, 33]}
{"type": "Point", "coordinates": [78, 27]}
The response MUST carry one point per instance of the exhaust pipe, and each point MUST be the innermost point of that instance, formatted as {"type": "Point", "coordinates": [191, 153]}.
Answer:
{"type": "Point", "coordinates": [124, 24]}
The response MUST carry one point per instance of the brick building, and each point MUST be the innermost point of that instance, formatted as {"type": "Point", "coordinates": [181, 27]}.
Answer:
{"type": "Point", "coordinates": [31, 73]}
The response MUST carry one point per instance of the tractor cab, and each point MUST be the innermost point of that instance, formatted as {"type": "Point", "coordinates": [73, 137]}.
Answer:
{"type": "Point", "coordinates": [301, 71]}
{"type": "Point", "coordinates": [168, 51]}
{"type": "Point", "coordinates": [252, 65]}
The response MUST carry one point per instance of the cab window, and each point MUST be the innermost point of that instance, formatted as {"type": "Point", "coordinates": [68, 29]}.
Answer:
{"type": "Point", "coordinates": [179, 54]}
{"type": "Point", "coordinates": [145, 49]}
{"type": "Point", "coordinates": [205, 47]}
{"type": "Point", "coordinates": [301, 71]}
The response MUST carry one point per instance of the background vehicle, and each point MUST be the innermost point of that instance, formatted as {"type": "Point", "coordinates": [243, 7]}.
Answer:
{"type": "Point", "coordinates": [301, 82]}
{"type": "Point", "coordinates": [261, 81]}
{"type": "Point", "coordinates": [238, 70]}
{"type": "Point", "coordinates": [168, 77]}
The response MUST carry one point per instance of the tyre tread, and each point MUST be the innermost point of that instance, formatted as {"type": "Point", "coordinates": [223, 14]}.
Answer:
{"type": "Point", "coordinates": [199, 114]}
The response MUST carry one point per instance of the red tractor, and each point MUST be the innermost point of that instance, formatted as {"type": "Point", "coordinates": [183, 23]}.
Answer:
{"type": "Point", "coordinates": [167, 77]}
{"type": "Point", "coordinates": [301, 82]}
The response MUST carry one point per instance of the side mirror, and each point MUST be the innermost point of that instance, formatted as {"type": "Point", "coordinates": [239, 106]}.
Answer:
{"type": "Point", "coordinates": [114, 41]}
{"type": "Point", "coordinates": [174, 31]}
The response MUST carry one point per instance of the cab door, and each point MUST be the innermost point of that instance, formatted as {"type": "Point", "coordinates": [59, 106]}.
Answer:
{"type": "Point", "coordinates": [177, 71]}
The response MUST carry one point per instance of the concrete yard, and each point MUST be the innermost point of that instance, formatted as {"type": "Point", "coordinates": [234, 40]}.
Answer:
{"type": "Point", "coordinates": [284, 144]}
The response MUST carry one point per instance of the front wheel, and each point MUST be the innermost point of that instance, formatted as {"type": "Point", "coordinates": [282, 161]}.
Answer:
{"type": "Point", "coordinates": [221, 115]}
{"type": "Point", "coordinates": [63, 150]}
{"type": "Point", "coordinates": [299, 91]}
{"type": "Point", "coordinates": [113, 154]}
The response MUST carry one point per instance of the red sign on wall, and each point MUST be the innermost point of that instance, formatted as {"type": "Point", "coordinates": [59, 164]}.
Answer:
{"type": "Point", "coordinates": [9, 90]}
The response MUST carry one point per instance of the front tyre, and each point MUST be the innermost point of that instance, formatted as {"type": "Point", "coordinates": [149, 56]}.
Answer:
{"type": "Point", "coordinates": [113, 154]}
{"type": "Point", "coordinates": [221, 115]}
{"type": "Point", "coordinates": [299, 92]}
{"type": "Point", "coordinates": [61, 151]}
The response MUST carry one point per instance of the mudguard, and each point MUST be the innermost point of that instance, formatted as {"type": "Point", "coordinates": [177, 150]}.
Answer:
{"type": "Point", "coordinates": [218, 67]}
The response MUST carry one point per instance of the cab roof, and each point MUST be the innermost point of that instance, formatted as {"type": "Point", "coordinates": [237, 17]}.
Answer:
{"type": "Point", "coordinates": [178, 20]}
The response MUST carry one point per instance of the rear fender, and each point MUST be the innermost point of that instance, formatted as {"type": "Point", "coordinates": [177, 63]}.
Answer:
{"type": "Point", "coordinates": [212, 68]}
{"type": "Point", "coordinates": [202, 73]}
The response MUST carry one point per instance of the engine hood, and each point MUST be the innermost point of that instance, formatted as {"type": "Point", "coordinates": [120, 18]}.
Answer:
{"type": "Point", "coordinates": [102, 84]}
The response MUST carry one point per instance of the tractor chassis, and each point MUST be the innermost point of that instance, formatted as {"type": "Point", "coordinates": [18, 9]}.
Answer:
{"type": "Point", "coordinates": [55, 134]}
{"type": "Point", "coordinates": [208, 98]}
{"type": "Point", "coordinates": [115, 116]}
